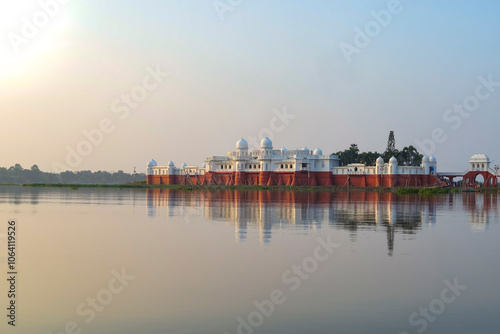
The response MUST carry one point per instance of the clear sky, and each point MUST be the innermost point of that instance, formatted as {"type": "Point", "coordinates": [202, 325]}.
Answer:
{"type": "Point", "coordinates": [233, 66]}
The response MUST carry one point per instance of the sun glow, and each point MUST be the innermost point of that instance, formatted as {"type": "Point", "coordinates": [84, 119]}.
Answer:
{"type": "Point", "coordinates": [31, 29]}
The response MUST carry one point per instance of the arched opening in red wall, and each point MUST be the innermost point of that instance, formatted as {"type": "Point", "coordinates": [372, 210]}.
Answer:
{"type": "Point", "coordinates": [479, 180]}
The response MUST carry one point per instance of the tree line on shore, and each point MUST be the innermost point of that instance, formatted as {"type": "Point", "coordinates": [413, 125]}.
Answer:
{"type": "Point", "coordinates": [408, 156]}
{"type": "Point", "coordinates": [18, 175]}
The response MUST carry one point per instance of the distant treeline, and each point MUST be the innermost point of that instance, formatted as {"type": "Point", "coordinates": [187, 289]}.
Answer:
{"type": "Point", "coordinates": [18, 175]}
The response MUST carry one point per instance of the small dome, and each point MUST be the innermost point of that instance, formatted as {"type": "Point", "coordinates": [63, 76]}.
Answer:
{"type": "Point", "coordinates": [393, 160]}
{"type": "Point", "coordinates": [432, 159]}
{"type": "Point", "coordinates": [152, 163]}
{"type": "Point", "coordinates": [425, 159]}
{"type": "Point", "coordinates": [204, 165]}
{"type": "Point", "coordinates": [283, 150]}
{"type": "Point", "coordinates": [305, 149]}
{"type": "Point", "coordinates": [479, 158]}
{"type": "Point", "coordinates": [318, 151]}
{"type": "Point", "coordinates": [380, 160]}
{"type": "Point", "coordinates": [242, 144]}
{"type": "Point", "coordinates": [183, 165]}
{"type": "Point", "coordinates": [266, 143]}
{"type": "Point", "coordinates": [170, 163]}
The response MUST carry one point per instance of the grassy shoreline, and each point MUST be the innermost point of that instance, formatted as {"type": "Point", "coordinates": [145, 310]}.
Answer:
{"type": "Point", "coordinates": [397, 190]}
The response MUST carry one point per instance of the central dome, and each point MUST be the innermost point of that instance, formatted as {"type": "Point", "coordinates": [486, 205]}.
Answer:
{"type": "Point", "coordinates": [266, 143]}
{"type": "Point", "coordinates": [242, 144]}
{"type": "Point", "coordinates": [318, 151]}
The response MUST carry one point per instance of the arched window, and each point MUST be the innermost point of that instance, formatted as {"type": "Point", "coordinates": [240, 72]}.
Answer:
{"type": "Point", "coordinates": [281, 165]}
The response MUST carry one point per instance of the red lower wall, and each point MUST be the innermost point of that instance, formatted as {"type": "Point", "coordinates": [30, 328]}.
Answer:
{"type": "Point", "coordinates": [301, 178]}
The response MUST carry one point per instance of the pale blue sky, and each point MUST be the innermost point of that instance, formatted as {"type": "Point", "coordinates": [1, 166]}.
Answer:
{"type": "Point", "coordinates": [227, 76]}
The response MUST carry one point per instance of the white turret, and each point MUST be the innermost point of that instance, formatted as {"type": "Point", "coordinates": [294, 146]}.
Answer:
{"type": "Point", "coordinates": [479, 162]}
{"type": "Point", "coordinates": [426, 165]}
{"type": "Point", "coordinates": [380, 165]}
{"type": "Point", "coordinates": [242, 148]}
{"type": "Point", "coordinates": [432, 165]}
{"type": "Point", "coordinates": [171, 168]}
{"type": "Point", "coordinates": [266, 148]}
{"type": "Point", "coordinates": [393, 165]}
{"type": "Point", "coordinates": [151, 164]}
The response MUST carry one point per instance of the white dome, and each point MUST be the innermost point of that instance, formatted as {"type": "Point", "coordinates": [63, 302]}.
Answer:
{"type": "Point", "coordinates": [152, 163]}
{"type": "Point", "coordinates": [305, 149]}
{"type": "Point", "coordinates": [283, 150]}
{"type": "Point", "coordinates": [318, 151]}
{"type": "Point", "coordinates": [425, 158]}
{"type": "Point", "coordinates": [479, 158]}
{"type": "Point", "coordinates": [183, 165]}
{"type": "Point", "coordinates": [380, 160]}
{"type": "Point", "coordinates": [393, 160]}
{"type": "Point", "coordinates": [432, 159]}
{"type": "Point", "coordinates": [171, 163]}
{"type": "Point", "coordinates": [266, 143]}
{"type": "Point", "coordinates": [242, 144]}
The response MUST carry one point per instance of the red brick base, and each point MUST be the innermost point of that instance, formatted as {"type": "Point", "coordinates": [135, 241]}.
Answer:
{"type": "Point", "coordinates": [301, 178]}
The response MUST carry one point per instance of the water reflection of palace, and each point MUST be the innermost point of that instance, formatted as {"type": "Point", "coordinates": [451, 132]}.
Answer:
{"type": "Point", "coordinates": [482, 209]}
{"type": "Point", "coordinates": [266, 211]}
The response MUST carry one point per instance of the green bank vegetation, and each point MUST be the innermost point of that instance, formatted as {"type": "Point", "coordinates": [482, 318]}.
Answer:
{"type": "Point", "coordinates": [144, 185]}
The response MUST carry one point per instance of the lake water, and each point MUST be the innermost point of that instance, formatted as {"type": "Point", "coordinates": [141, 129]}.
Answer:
{"type": "Point", "coordinates": [168, 261]}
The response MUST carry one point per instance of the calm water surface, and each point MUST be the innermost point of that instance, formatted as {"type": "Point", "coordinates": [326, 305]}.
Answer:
{"type": "Point", "coordinates": [252, 261]}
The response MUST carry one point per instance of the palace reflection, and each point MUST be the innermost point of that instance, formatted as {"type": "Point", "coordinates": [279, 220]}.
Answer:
{"type": "Point", "coordinates": [268, 211]}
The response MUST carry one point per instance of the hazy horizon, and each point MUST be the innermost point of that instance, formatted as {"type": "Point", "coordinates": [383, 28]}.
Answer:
{"type": "Point", "coordinates": [206, 73]}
